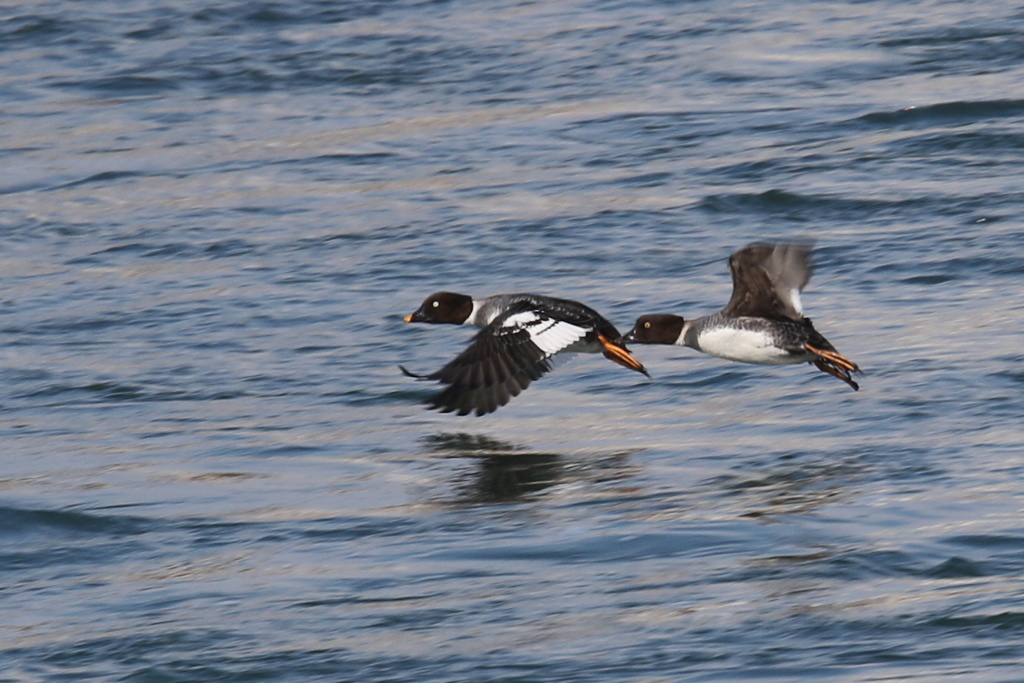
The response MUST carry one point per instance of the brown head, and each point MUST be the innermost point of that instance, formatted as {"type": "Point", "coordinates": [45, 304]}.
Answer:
{"type": "Point", "coordinates": [656, 328]}
{"type": "Point", "coordinates": [443, 307]}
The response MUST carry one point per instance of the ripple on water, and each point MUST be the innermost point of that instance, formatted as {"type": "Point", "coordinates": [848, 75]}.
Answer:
{"type": "Point", "coordinates": [217, 214]}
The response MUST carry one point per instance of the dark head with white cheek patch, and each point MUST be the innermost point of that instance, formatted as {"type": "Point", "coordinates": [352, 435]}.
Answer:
{"type": "Point", "coordinates": [655, 329]}
{"type": "Point", "coordinates": [443, 307]}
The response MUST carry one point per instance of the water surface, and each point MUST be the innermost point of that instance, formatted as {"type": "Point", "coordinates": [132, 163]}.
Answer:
{"type": "Point", "coordinates": [214, 219]}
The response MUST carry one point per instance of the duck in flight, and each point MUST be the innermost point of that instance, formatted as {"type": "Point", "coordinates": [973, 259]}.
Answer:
{"type": "Point", "coordinates": [763, 322]}
{"type": "Point", "coordinates": [520, 333]}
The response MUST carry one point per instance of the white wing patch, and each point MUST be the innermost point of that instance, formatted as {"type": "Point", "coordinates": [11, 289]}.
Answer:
{"type": "Point", "coordinates": [788, 271]}
{"type": "Point", "coordinates": [550, 335]}
{"type": "Point", "coordinates": [794, 301]}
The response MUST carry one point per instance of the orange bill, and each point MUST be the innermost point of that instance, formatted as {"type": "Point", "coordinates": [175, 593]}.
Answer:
{"type": "Point", "coordinates": [834, 357]}
{"type": "Point", "coordinates": [827, 366]}
{"type": "Point", "coordinates": [621, 355]}
{"type": "Point", "coordinates": [408, 318]}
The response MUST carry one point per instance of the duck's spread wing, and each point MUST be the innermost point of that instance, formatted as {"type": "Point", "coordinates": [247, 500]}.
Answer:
{"type": "Point", "coordinates": [789, 269]}
{"type": "Point", "coordinates": [767, 280]}
{"type": "Point", "coordinates": [501, 361]}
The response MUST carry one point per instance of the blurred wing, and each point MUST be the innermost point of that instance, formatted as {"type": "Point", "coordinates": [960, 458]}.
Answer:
{"type": "Point", "coordinates": [501, 361]}
{"type": "Point", "coordinates": [789, 269]}
{"type": "Point", "coordinates": [767, 280]}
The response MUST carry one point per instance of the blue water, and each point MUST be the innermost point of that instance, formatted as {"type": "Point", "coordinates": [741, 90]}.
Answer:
{"type": "Point", "coordinates": [214, 217]}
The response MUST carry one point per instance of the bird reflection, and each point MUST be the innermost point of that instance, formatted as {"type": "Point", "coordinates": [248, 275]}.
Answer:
{"type": "Point", "coordinates": [798, 483]}
{"type": "Point", "coordinates": [504, 472]}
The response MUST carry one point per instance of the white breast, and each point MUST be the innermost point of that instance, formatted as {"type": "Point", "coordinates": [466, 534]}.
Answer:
{"type": "Point", "coordinates": [745, 346]}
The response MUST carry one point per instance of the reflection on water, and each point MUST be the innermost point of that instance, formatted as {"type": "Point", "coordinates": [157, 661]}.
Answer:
{"type": "Point", "coordinates": [803, 481]}
{"type": "Point", "coordinates": [503, 472]}
{"type": "Point", "coordinates": [212, 211]}
{"type": "Point", "coordinates": [789, 487]}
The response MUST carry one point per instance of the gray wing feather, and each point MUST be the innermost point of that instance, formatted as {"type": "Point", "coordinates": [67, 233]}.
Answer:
{"type": "Point", "coordinates": [767, 280]}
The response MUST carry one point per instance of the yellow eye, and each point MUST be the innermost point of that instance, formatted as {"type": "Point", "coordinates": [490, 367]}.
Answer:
{"type": "Point", "coordinates": [647, 325]}
{"type": "Point", "coordinates": [436, 304]}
